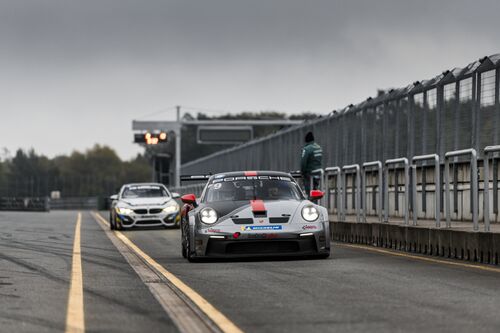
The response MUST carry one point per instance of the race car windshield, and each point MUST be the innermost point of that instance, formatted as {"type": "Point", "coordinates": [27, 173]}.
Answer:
{"type": "Point", "coordinates": [144, 192]}
{"type": "Point", "coordinates": [258, 189]}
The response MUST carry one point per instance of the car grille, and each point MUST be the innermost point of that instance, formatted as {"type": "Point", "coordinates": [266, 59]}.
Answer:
{"type": "Point", "coordinates": [278, 219]}
{"type": "Point", "coordinates": [146, 222]}
{"type": "Point", "coordinates": [155, 211]}
{"type": "Point", "coordinates": [141, 211]}
{"type": "Point", "coordinates": [262, 247]}
{"type": "Point", "coordinates": [243, 221]}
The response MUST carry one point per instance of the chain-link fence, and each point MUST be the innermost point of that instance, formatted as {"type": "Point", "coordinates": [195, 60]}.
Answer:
{"type": "Point", "coordinates": [457, 109]}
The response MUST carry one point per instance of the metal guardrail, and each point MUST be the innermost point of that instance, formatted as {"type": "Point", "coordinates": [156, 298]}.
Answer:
{"type": "Point", "coordinates": [437, 186]}
{"type": "Point", "coordinates": [382, 207]}
{"type": "Point", "coordinates": [379, 167]}
{"type": "Point", "coordinates": [474, 184]}
{"type": "Point", "coordinates": [488, 152]}
{"type": "Point", "coordinates": [356, 188]}
{"type": "Point", "coordinates": [334, 171]}
{"type": "Point", "coordinates": [402, 160]}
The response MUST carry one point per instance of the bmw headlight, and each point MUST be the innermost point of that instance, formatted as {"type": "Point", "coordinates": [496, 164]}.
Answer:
{"type": "Point", "coordinates": [310, 213]}
{"type": "Point", "coordinates": [208, 215]}
{"type": "Point", "coordinates": [124, 211]}
{"type": "Point", "coordinates": [171, 209]}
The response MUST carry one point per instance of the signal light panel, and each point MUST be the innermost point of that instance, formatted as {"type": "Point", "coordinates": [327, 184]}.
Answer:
{"type": "Point", "coordinates": [151, 138]}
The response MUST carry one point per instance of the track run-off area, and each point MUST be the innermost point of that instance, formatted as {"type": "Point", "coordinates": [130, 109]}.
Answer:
{"type": "Point", "coordinates": [65, 271]}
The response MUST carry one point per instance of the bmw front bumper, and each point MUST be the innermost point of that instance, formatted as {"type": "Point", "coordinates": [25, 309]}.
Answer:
{"type": "Point", "coordinates": [149, 220]}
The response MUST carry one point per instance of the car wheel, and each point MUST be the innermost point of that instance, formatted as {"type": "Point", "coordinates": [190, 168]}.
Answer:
{"type": "Point", "coordinates": [184, 255]}
{"type": "Point", "coordinates": [189, 253]}
{"type": "Point", "coordinates": [184, 239]}
{"type": "Point", "coordinates": [119, 225]}
{"type": "Point", "coordinates": [111, 222]}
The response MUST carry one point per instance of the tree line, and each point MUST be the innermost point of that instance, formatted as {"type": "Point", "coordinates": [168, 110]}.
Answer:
{"type": "Point", "coordinates": [99, 171]}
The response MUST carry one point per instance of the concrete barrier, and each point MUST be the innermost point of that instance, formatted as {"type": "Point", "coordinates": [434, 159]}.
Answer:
{"type": "Point", "coordinates": [483, 247]}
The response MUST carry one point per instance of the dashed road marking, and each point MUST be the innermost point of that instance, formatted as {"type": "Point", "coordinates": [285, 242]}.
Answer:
{"type": "Point", "coordinates": [75, 318]}
{"type": "Point", "coordinates": [164, 293]}
{"type": "Point", "coordinates": [421, 258]}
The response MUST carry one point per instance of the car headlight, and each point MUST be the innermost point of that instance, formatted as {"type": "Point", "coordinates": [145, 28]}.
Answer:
{"type": "Point", "coordinates": [208, 215]}
{"type": "Point", "coordinates": [124, 211]}
{"type": "Point", "coordinates": [310, 213]}
{"type": "Point", "coordinates": [171, 209]}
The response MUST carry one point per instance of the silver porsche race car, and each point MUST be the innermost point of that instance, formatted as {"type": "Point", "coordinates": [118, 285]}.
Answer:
{"type": "Point", "coordinates": [142, 205]}
{"type": "Point", "coordinates": [253, 214]}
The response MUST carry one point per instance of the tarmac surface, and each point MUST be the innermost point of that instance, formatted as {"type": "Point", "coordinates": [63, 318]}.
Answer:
{"type": "Point", "coordinates": [358, 289]}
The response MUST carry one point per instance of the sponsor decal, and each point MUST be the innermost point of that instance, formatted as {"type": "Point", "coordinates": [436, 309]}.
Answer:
{"type": "Point", "coordinates": [261, 227]}
{"type": "Point", "coordinates": [262, 221]}
{"type": "Point", "coordinates": [232, 179]}
{"type": "Point", "coordinates": [309, 227]}
{"type": "Point", "coordinates": [217, 186]}
{"type": "Point", "coordinates": [213, 230]}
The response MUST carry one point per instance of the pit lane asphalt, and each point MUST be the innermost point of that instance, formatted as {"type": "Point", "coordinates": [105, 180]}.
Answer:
{"type": "Point", "coordinates": [354, 291]}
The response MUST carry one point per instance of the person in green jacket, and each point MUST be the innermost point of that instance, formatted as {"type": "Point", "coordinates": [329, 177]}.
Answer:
{"type": "Point", "coordinates": [312, 159]}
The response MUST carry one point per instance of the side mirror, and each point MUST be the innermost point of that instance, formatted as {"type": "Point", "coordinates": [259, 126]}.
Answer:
{"type": "Point", "coordinates": [114, 197]}
{"type": "Point", "coordinates": [175, 195]}
{"type": "Point", "coordinates": [189, 199]}
{"type": "Point", "coordinates": [316, 194]}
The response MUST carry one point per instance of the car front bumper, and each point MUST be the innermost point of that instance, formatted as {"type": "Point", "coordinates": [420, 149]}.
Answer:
{"type": "Point", "coordinates": [235, 241]}
{"type": "Point", "coordinates": [149, 220]}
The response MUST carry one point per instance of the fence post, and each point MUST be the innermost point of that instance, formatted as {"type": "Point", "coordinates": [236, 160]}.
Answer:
{"type": "Point", "coordinates": [395, 161]}
{"type": "Point", "coordinates": [356, 188]}
{"type": "Point", "coordinates": [378, 165]}
{"type": "Point", "coordinates": [337, 172]}
{"type": "Point", "coordinates": [486, 194]}
{"type": "Point", "coordinates": [473, 186]}
{"type": "Point", "coordinates": [437, 184]}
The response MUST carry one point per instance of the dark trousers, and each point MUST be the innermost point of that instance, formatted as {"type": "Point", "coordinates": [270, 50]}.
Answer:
{"type": "Point", "coordinates": [307, 183]}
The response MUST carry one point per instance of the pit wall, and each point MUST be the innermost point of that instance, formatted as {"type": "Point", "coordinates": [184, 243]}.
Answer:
{"type": "Point", "coordinates": [480, 247]}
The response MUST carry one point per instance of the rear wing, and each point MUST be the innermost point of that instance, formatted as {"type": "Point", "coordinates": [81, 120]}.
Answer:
{"type": "Point", "coordinates": [194, 178]}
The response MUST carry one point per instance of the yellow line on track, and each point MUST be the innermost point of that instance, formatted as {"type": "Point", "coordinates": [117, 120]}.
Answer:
{"type": "Point", "coordinates": [421, 258]}
{"type": "Point", "coordinates": [210, 311]}
{"type": "Point", "coordinates": [75, 319]}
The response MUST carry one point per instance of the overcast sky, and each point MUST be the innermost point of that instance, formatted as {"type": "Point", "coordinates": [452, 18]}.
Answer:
{"type": "Point", "coordinates": [75, 73]}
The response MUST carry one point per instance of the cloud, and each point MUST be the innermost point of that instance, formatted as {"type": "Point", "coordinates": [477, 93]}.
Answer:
{"type": "Point", "coordinates": [84, 69]}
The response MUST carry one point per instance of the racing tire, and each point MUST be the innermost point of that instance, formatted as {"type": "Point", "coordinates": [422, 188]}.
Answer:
{"type": "Point", "coordinates": [183, 251]}
{"type": "Point", "coordinates": [190, 256]}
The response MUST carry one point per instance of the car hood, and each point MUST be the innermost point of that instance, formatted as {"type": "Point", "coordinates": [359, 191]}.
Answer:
{"type": "Point", "coordinates": [244, 209]}
{"type": "Point", "coordinates": [145, 201]}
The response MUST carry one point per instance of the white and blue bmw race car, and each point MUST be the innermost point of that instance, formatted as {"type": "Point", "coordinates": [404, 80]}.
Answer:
{"type": "Point", "coordinates": [144, 205]}
{"type": "Point", "coordinates": [252, 214]}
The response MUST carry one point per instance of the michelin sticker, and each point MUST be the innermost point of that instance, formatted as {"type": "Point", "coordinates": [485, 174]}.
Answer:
{"type": "Point", "coordinates": [261, 227]}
